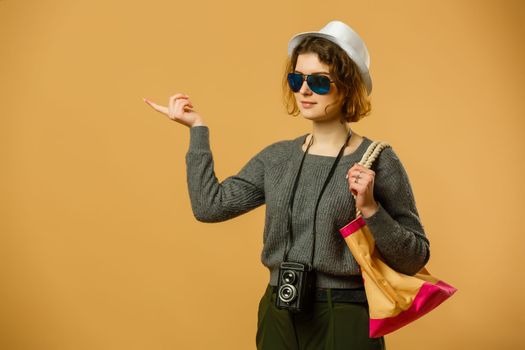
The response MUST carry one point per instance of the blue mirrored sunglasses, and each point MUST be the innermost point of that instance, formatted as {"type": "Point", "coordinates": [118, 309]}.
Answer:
{"type": "Point", "coordinates": [320, 84]}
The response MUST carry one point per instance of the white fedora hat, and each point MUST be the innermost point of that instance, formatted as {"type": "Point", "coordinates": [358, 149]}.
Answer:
{"type": "Point", "coordinates": [347, 39]}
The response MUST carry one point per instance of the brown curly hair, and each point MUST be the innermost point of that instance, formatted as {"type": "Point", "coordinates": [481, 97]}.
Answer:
{"type": "Point", "coordinates": [344, 73]}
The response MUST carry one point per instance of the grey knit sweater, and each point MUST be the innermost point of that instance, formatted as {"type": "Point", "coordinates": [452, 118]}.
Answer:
{"type": "Point", "coordinates": [267, 178]}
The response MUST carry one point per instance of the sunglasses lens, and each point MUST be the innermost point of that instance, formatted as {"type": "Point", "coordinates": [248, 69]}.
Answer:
{"type": "Point", "coordinates": [295, 81]}
{"type": "Point", "coordinates": [319, 84]}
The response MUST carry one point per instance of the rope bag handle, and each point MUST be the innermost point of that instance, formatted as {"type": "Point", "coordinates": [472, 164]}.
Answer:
{"type": "Point", "coordinates": [368, 158]}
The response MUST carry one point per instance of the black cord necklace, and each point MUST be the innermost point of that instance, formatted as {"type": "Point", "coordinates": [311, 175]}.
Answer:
{"type": "Point", "coordinates": [290, 207]}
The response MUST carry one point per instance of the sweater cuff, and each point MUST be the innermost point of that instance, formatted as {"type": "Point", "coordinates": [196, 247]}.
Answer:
{"type": "Point", "coordinates": [199, 138]}
{"type": "Point", "coordinates": [379, 222]}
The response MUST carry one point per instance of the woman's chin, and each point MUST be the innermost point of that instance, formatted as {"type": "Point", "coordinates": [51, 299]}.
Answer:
{"type": "Point", "coordinates": [313, 116]}
{"type": "Point", "coordinates": [308, 114]}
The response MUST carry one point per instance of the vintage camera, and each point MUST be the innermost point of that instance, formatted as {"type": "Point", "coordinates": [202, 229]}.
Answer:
{"type": "Point", "coordinates": [295, 288]}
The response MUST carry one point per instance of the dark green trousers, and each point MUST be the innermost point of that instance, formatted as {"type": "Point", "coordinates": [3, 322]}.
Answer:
{"type": "Point", "coordinates": [327, 326]}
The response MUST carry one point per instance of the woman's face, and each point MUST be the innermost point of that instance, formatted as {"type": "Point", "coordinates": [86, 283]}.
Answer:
{"type": "Point", "coordinates": [308, 63]}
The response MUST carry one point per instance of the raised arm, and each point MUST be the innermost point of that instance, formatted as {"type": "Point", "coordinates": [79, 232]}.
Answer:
{"type": "Point", "coordinates": [212, 201]}
{"type": "Point", "coordinates": [396, 226]}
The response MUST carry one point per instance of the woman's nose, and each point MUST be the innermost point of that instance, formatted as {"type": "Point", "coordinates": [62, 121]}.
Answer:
{"type": "Point", "coordinates": [305, 89]}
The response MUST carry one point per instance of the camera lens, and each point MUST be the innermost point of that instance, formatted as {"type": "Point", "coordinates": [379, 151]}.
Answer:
{"type": "Point", "coordinates": [289, 276]}
{"type": "Point", "coordinates": [287, 293]}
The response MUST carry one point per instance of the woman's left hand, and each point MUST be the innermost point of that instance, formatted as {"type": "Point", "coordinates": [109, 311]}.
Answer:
{"type": "Point", "coordinates": [361, 184]}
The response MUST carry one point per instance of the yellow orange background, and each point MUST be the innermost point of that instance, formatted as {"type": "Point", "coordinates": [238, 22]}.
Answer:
{"type": "Point", "coordinates": [99, 248]}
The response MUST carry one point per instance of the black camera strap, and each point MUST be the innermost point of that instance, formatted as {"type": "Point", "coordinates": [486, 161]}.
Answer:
{"type": "Point", "coordinates": [290, 207]}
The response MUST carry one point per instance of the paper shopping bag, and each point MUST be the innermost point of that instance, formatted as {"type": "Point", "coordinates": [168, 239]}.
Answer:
{"type": "Point", "coordinates": [394, 299]}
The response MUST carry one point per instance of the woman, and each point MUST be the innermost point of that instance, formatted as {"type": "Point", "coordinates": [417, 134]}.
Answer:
{"type": "Point", "coordinates": [308, 185]}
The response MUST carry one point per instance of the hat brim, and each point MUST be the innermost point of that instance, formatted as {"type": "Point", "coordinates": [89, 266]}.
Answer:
{"type": "Point", "coordinates": [362, 66]}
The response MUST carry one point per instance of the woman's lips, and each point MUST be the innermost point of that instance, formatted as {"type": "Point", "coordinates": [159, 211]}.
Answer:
{"type": "Point", "coordinates": [307, 104]}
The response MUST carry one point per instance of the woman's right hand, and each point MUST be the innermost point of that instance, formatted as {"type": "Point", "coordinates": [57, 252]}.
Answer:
{"type": "Point", "coordinates": [179, 109]}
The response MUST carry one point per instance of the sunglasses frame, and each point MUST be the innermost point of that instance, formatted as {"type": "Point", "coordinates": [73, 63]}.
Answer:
{"type": "Point", "coordinates": [307, 78]}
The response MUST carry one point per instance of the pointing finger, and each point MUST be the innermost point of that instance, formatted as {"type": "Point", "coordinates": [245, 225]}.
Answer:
{"type": "Point", "coordinates": [156, 107]}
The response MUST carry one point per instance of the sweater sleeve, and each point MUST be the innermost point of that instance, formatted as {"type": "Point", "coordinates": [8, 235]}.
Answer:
{"type": "Point", "coordinates": [214, 201]}
{"type": "Point", "coordinates": [396, 226]}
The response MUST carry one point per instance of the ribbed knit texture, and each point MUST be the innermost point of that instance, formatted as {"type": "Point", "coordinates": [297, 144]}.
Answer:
{"type": "Point", "coordinates": [267, 178]}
